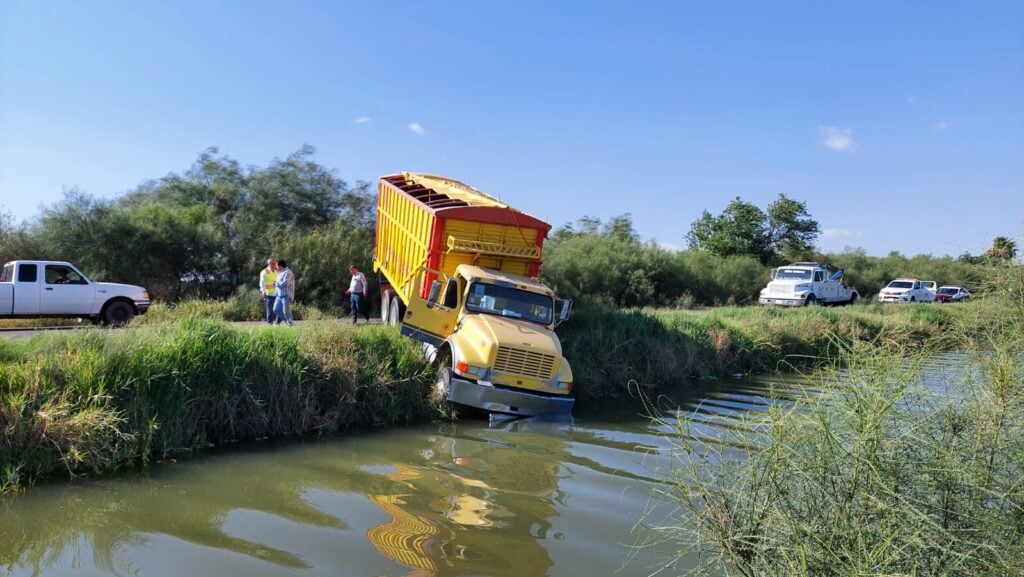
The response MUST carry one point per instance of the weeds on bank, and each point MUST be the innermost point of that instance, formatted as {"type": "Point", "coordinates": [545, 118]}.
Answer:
{"type": "Point", "coordinates": [888, 473]}
{"type": "Point", "coordinates": [97, 401]}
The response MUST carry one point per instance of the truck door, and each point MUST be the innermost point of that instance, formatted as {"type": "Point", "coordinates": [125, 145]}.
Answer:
{"type": "Point", "coordinates": [26, 289]}
{"type": "Point", "coordinates": [431, 320]}
{"type": "Point", "coordinates": [65, 291]}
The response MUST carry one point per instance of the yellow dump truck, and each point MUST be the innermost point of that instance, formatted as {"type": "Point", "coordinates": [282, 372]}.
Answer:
{"type": "Point", "coordinates": [458, 272]}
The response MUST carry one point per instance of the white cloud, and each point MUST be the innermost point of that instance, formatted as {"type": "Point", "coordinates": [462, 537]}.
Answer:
{"type": "Point", "coordinates": [363, 120]}
{"type": "Point", "coordinates": [836, 138]}
{"type": "Point", "coordinates": [840, 233]}
{"type": "Point", "coordinates": [417, 128]}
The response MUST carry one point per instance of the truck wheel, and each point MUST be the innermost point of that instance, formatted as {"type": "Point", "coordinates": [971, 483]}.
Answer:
{"type": "Point", "coordinates": [396, 310]}
{"type": "Point", "coordinates": [853, 299]}
{"type": "Point", "coordinates": [442, 384]}
{"type": "Point", "coordinates": [385, 307]}
{"type": "Point", "coordinates": [118, 313]}
{"type": "Point", "coordinates": [912, 299]}
{"type": "Point", "coordinates": [811, 301]}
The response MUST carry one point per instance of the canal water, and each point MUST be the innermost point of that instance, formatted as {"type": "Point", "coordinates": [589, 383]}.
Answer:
{"type": "Point", "coordinates": [507, 499]}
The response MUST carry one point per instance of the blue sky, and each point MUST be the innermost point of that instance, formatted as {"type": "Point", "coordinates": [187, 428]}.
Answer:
{"type": "Point", "coordinates": [901, 124]}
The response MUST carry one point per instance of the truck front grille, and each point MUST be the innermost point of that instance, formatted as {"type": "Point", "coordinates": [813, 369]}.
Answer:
{"type": "Point", "coordinates": [526, 363]}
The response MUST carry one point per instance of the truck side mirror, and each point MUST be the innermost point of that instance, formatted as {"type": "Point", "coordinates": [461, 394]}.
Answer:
{"type": "Point", "coordinates": [435, 292]}
{"type": "Point", "coordinates": [564, 310]}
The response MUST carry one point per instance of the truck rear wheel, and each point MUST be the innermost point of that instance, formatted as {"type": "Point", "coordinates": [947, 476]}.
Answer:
{"type": "Point", "coordinates": [396, 311]}
{"type": "Point", "coordinates": [385, 306]}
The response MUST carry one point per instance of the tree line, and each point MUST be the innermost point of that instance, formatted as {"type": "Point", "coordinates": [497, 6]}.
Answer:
{"type": "Point", "coordinates": [206, 233]}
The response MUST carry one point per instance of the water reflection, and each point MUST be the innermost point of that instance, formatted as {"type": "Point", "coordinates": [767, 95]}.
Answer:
{"type": "Point", "coordinates": [519, 498]}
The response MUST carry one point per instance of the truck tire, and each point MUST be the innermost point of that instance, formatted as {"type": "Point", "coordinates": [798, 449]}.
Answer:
{"type": "Point", "coordinates": [853, 299]}
{"type": "Point", "coordinates": [811, 301]}
{"type": "Point", "coordinates": [385, 306]}
{"type": "Point", "coordinates": [442, 384]}
{"type": "Point", "coordinates": [396, 311]}
{"type": "Point", "coordinates": [118, 313]}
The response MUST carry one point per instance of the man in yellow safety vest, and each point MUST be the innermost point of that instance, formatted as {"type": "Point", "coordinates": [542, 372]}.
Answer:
{"type": "Point", "coordinates": [267, 278]}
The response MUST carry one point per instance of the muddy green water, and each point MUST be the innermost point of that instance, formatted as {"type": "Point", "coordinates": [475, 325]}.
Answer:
{"type": "Point", "coordinates": [516, 499]}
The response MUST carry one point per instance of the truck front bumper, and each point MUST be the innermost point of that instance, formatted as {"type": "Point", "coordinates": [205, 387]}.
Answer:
{"type": "Point", "coordinates": [785, 302]}
{"type": "Point", "coordinates": [507, 401]}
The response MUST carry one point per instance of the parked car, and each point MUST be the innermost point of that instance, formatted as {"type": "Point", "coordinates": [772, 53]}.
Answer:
{"type": "Point", "coordinates": [907, 290]}
{"type": "Point", "coordinates": [951, 294]}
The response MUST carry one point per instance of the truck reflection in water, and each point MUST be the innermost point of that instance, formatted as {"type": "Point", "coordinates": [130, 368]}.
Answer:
{"type": "Point", "coordinates": [464, 514]}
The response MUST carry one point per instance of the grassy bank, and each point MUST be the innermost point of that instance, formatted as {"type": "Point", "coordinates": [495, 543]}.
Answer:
{"type": "Point", "coordinates": [612, 350]}
{"type": "Point", "coordinates": [895, 471]}
{"type": "Point", "coordinates": [96, 401]}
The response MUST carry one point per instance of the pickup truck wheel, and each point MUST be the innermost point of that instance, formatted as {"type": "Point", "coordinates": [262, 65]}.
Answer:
{"type": "Point", "coordinates": [811, 301]}
{"type": "Point", "coordinates": [118, 313]}
{"type": "Point", "coordinates": [385, 307]}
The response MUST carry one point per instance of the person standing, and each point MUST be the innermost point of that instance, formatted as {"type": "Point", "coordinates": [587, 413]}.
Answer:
{"type": "Point", "coordinates": [357, 292]}
{"type": "Point", "coordinates": [267, 288]}
{"type": "Point", "coordinates": [285, 285]}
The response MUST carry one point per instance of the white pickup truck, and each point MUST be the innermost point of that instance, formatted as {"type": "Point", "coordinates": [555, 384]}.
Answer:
{"type": "Point", "coordinates": [807, 283]}
{"type": "Point", "coordinates": [35, 288]}
{"type": "Point", "coordinates": [908, 290]}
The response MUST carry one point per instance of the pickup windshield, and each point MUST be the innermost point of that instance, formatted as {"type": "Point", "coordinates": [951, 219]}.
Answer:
{"type": "Point", "coordinates": [901, 284]}
{"type": "Point", "coordinates": [947, 291]}
{"type": "Point", "coordinates": [509, 302]}
{"type": "Point", "coordinates": [793, 274]}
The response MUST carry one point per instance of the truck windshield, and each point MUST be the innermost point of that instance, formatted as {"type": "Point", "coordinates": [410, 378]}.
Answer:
{"type": "Point", "coordinates": [947, 291]}
{"type": "Point", "coordinates": [901, 284]}
{"type": "Point", "coordinates": [509, 302]}
{"type": "Point", "coordinates": [793, 274]}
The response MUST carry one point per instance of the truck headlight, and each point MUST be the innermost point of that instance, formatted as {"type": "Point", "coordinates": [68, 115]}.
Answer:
{"type": "Point", "coordinates": [468, 369]}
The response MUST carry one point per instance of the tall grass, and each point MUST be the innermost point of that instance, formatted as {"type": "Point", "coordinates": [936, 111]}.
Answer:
{"type": "Point", "coordinates": [612, 349]}
{"type": "Point", "coordinates": [886, 474]}
{"type": "Point", "coordinates": [97, 401]}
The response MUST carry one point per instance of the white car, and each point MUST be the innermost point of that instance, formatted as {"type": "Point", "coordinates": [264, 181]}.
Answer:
{"type": "Point", "coordinates": [807, 283]}
{"type": "Point", "coordinates": [33, 289]}
{"type": "Point", "coordinates": [907, 290]}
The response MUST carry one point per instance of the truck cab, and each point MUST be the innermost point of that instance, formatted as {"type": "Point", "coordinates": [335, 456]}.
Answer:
{"type": "Point", "coordinates": [493, 334]}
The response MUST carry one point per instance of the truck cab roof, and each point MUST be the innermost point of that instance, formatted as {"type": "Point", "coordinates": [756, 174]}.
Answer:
{"type": "Point", "coordinates": [476, 273]}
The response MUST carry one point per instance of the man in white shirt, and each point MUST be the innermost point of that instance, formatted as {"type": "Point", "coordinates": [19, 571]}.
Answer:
{"type": "Point", "coordinates": [357, 292]}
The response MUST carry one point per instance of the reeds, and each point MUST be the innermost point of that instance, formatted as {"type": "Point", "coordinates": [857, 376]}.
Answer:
{"type": "Point", "coordinates": [887, 473]}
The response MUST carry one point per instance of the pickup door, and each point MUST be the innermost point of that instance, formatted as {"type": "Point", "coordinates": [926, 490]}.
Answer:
{"type": "Point", "coordinates": [26, 289]}
{"type": "Point", "coordinates": [65, 291]}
